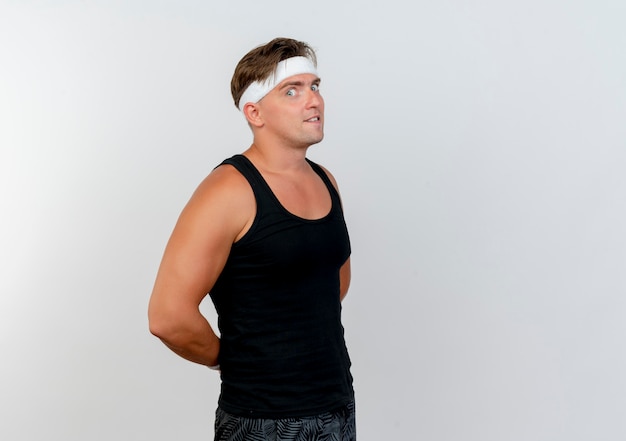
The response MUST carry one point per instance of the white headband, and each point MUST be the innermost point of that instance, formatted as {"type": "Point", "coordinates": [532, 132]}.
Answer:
{"type": "Point", "coordinates": [285, 69]}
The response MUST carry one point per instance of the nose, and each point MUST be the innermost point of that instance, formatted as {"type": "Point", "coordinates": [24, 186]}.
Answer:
{"type": "Point", "coordinates": [314, 98]}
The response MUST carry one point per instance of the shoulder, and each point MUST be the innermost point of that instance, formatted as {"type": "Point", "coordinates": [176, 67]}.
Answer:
{"type": "Point", "coordinates": [223, 183]}
{"type": "Point", "coordinates": [329, 174]}
{"type": "Point", "coordinates": [223, 199]}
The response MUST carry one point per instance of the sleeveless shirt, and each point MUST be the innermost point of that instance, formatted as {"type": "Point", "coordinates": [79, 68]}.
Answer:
{"type": "Point", "coordinates": [282, 349]}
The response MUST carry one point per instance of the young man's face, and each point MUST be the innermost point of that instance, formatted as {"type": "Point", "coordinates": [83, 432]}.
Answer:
{"type": "Point", "coordinates": [294, 111]}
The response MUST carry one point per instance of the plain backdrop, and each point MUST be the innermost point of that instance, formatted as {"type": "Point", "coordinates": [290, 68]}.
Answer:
{"type": "Point", "coordinates": [480, 147]}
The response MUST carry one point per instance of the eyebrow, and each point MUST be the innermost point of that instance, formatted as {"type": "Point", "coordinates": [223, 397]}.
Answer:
{"type": "Point", "coordinates": [298, 83]}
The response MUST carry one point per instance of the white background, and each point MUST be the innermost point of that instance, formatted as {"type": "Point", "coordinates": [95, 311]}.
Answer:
{"type": "Point", "coordinates": [481, 151]}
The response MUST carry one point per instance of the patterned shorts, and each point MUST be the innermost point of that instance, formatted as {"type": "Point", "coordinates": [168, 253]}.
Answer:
{"type": "Point", "coordinates": [329, 426]}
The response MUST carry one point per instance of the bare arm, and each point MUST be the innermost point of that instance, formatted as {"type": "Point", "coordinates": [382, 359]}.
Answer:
{"type": "Point", "coordinates": [344, 279]}
{"type": "Point", "coordinates": [217, 214]}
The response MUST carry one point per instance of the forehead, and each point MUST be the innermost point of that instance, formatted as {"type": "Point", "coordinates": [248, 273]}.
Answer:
{"type": "Point", "coordinates": [300, 79]}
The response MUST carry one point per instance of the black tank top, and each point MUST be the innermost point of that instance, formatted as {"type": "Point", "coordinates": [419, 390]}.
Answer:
{"type": "Point", "coordinates": [282, 351]}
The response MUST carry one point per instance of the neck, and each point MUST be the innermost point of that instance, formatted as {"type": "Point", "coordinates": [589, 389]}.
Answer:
{"type": "Point", "coordinates": [276, 159]}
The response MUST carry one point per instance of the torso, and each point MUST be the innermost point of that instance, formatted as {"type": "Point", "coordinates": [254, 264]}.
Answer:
{"type": "Point", "coordinates": [282, 349]}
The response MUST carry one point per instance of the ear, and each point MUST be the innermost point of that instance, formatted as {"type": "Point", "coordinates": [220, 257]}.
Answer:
{"type": "Point", "coordinates": [252, 114]}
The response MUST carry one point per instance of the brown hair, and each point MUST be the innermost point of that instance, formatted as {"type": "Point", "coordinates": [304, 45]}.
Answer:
{"type": "Point", "coordinates": [260, 62]}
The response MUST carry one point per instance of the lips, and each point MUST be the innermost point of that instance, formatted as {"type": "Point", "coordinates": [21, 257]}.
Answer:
{"type": "Point", "coordinates": [314, 119]}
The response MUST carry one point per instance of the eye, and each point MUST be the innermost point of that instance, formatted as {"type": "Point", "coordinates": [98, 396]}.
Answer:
{"type": "Point", "coordinates": [315, 87]}
{"type": "Point", "coordinates": [291, 92]}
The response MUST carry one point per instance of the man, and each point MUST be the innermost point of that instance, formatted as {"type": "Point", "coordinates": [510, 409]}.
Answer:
{"type": "Point", "coordinates": [264, 235]}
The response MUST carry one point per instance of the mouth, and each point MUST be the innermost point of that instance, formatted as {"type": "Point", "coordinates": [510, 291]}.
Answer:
{"type": "Point", "coordinates": [314, 119]}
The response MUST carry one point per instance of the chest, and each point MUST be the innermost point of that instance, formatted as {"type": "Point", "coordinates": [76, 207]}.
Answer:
{"type": "Point", "coordinates": [304, 196]}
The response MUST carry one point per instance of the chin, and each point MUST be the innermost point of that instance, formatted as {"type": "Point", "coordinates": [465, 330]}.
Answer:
{"type": "Point", "coordinates": [316, 140]}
